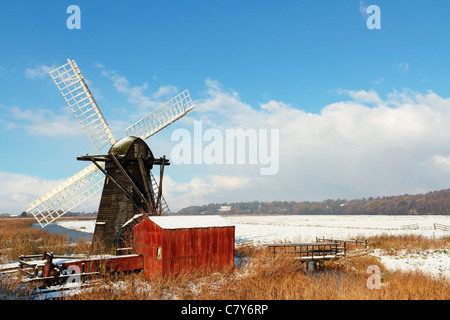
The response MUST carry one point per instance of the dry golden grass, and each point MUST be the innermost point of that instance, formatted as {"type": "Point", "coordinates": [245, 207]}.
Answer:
{"type": "Point", "coordinates": [18, 238]}
{"type": "Point", "coordinates": [392, 244]}
{"type": "Point", "coordinates": [267, 278]}
{"type": "Point", "coordinates": [262, 278]}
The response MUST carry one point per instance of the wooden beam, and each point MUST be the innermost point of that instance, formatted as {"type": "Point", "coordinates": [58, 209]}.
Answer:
{"type": "Point", "coordinates": [145, 178]}
{"type": "Point", "coordinates": [131, 181]}
{"type": "Point", "coordinates": [161, 173]}
{"type": "Point", "coordinates": [118, 185]}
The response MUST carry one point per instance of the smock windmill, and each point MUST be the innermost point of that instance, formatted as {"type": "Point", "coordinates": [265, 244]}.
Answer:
{"type": "Point", "coordinates": [129, 187]}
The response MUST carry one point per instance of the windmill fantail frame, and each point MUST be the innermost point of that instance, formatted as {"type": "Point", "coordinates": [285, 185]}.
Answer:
{"type": "Point", "coordinates": [129, 188]}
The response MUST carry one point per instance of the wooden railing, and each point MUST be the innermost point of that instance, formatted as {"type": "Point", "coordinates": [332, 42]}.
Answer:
{"type": "Point", "coordinates": [414, 226]}
{"type": "Point", "coordinates": [243, 244]}
{"type": "Point", "coordinates": [346, 245]}
{"type": "Point", "coordinates": [307, 251]}
{"type": "Point", "coordinates": [443, 227]}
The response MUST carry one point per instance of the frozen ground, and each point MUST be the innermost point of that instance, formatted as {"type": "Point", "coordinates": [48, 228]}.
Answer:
{"type": "Point", "coordinates": [434, 262]}
{"type": "Point", "coordinates": [305, 228]}
{"type": "Point", "coordinates": [78, 225]}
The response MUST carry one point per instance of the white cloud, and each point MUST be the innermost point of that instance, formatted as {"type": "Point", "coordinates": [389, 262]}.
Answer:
{"type": "Point", "coordinates": [40, 71]}
{"type": "Point", "coordinates": [363, 8]}
{"type": "Point", "coordinates": [403, 67]}
{"type": "Point", "coordinates": [200, 190]}
{"type": "Point", "coordinates": [359, 146]}
{"type": "Point", "coordinates": [363, 96]}
{"type": "Point", "coordinates": [378, 81]}
{"type": "Point", "coordinates": [137, 94]}
{"type": "Point", "coordinates": [18, 190]}
{"type": "Point", "coordinates": [44, 122]}
{"type": "Point", "coordinates": [165, 91]}
{"type": "Point", "coordinates": [364, 146]}
{"type": "Point", "coordinates": [442, 161]}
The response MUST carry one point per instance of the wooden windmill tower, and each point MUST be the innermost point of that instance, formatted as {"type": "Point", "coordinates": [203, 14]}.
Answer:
{"type": "Point", "coordinates": [130, 187]}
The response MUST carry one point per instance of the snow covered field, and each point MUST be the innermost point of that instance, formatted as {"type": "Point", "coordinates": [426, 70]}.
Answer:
{"type": "Point", "coordinates": [305, 228]}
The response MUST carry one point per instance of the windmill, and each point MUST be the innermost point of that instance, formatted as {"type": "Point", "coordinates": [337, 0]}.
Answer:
{"type": "Point", "coordinates": [129, 188]}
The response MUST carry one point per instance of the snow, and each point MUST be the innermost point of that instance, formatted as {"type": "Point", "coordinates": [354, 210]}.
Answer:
{"type": "Point", "coordinates": [165, 222]}
{"type": "Point", "coordinates": [434, 262]}
{"type": "Point", "coordinates": [181, 222]}
{"type": "Point", "coordinates": [87, 226]}
{"type": "Point", "coordinates": [305, 228]}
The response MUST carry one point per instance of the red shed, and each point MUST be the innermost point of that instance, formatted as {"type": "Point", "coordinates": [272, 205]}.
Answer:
{"type": "Point", "coordinates": [171, 244]}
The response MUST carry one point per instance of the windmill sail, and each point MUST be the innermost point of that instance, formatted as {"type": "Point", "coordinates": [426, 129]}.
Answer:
{"type": "Point", "coordinates": [166, 114]}
{"type": "Point", "coordinates": [89, 181]}
{"type": "Point", "coordinates": [67, 195]}
{"type": "Point", "coordinates": [75, 91]}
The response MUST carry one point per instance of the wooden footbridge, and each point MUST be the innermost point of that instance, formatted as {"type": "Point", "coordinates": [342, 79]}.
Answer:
{"type": "Point", "coordinates": [319, 251]}
{"type": "Point", "coordinates": [307, 251]}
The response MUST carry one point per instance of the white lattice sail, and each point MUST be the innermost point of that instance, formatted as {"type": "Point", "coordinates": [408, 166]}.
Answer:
{"type": "Point", "coordinates": [67, 195]}
{"type": "Point", "coordinates": [160, 118]}
{"type": "Point", "coordinates": [73, 87]}
{"type": "Point", "coordinates": [86, 183]}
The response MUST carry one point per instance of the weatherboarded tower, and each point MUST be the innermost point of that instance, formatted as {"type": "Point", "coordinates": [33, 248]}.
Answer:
{"type": "Point", "coordinates": [126, 191]}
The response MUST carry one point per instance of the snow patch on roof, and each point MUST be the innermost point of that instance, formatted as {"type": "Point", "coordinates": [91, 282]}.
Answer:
{"type": "Point", "coordinates": [186, 222]}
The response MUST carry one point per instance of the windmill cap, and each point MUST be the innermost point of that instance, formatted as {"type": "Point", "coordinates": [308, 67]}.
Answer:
{"type": "Point", "coordinates": [122, 147]}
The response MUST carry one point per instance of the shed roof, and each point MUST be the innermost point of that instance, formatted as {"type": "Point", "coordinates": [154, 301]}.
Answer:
{"type": "Point", "coordinates": [186, 222]}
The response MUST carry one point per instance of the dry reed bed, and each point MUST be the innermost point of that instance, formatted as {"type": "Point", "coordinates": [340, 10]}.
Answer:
{"type": "Point", "coordinates": [263, 277]}
{"type": "Point", "coordinates": [411, 243]}
{"type": "Point", "coordinates": [18, 238]}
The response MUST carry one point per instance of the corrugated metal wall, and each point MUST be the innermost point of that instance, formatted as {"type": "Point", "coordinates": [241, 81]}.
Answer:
{"type": "Point", "coordinates": [168, 251]}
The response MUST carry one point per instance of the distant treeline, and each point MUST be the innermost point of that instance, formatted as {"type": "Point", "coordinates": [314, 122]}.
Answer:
{"type": "Point", "coordinates": [431, 203]}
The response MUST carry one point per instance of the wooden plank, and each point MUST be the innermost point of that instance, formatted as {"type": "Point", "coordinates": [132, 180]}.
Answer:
{"type": "Point", "coordinates": [133, 185]}
{"type": "Point", "coordinates": [300, 244]}
{"type": "Point", "coordinates": [242, 244]}
{"type": "Point", "coordinates": [60, 277]}
{"type": "Point", "coordinates": [308, 251]}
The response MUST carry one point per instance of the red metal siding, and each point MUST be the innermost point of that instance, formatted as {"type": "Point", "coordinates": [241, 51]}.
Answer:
{"type": "Point", "coordinates": [183, 249]}
{"type": "Point", "coordinates": [147, 239]}
{"type": "Point", "coordinates": [109, 264]}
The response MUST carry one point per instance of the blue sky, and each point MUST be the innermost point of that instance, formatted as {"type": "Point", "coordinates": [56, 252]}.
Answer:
{"type": "Point", "coordinates": [308, 68]}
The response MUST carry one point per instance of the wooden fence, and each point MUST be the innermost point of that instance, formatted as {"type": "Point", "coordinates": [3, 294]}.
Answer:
{"type": "Point", "coordinates": [436, 226]}
{"type": "Point", "coordinates": [414, 226]}
{"type": "Point", "coordinates": [346, 245]}
{"type": "Point", "coordinates": [443, 227]}
{"type": "Point", "coordinates": [243, 244]}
